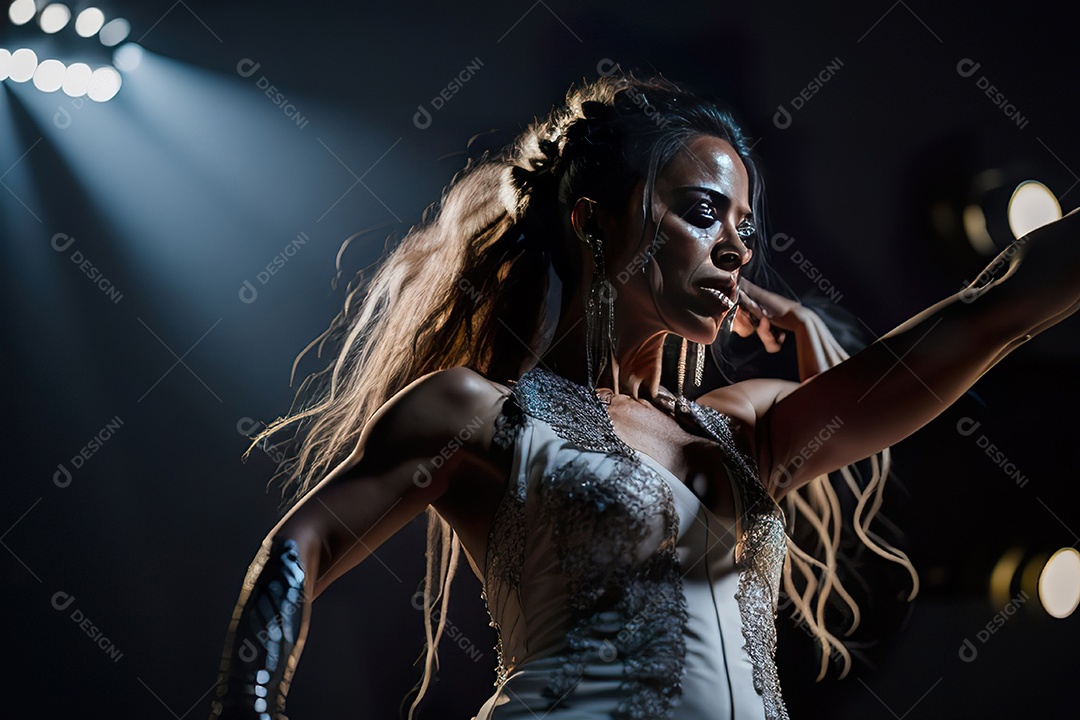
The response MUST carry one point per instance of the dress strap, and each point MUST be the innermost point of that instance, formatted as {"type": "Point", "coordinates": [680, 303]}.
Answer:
{"type": "Point", "coordinates": [759, 555]}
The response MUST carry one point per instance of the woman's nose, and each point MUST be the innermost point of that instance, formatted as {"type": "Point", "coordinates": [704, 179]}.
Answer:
{"type": "Point", "coordinates": [732, 253]}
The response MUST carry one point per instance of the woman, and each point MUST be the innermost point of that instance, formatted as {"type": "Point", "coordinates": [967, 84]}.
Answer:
{"type": "Point", "coordinates": [503, 374]}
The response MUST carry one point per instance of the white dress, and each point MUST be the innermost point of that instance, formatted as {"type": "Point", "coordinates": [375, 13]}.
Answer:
{"type": "Point", "coordinates": [614, 591]}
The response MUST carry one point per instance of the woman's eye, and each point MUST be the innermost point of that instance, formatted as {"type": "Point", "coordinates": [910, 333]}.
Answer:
{"type": "Point", "coordinates": [702, 215]}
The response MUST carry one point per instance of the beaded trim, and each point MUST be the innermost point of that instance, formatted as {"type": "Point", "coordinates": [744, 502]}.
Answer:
{"type": "Point", "coordinates": [619, 554]}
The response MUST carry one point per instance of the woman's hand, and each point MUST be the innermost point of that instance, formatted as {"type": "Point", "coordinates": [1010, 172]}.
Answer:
{"type": "Point", "coordinates": [771, 316]}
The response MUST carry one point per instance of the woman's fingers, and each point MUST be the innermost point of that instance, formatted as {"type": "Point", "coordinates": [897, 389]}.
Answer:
{"type": "Point", "coordinates": [743, 325]}
{"type": "Point", "coordinates": [752, 318]}
{"type": "Point", "coordinates": [765, 333]}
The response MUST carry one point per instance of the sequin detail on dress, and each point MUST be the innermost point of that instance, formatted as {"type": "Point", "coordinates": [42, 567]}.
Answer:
{"type": "Point", "coordinates": [615, 535]}
{"type": "Point", "coordinates": [506, 538]}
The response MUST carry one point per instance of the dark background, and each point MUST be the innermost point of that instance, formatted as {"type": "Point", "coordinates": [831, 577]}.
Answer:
{"type": "Point", "coordinates": [191, 181]}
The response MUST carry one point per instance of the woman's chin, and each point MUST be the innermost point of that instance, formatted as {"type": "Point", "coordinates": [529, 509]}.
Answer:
{"type": "Point", "coordinates": [704, 334]}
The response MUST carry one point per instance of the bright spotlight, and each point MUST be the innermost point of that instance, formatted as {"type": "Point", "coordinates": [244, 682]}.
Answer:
{"type": "Point", "coordinates": [49, 75]}
{"type": "Point", "coordinates": [77, 79]}
{"type": "Point", "coordinates": [23, 65]}
{"type": "Point", "coordinates": [22, 11]}
{"type": "Point", "coordinates": [104, 84]}
{"type": "Point", "coordinates": [1032, 205]}
{"type": "Point", "coordinates": [89, 22]}
{"type": "Point", "coordinates": [54, 17]}
{"type": "Point", "coordinates": [1059, 583]}
{"type": "Point", "coordinates": [5, 63]}
{"type": "Point", "coordinates": [128, 56]}
{"type": "Point", "coordinates": [114, 32]}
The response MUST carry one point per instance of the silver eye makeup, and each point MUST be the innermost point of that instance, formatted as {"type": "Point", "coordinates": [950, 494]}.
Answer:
{"type": "Point", "coordinates": [746, 229]}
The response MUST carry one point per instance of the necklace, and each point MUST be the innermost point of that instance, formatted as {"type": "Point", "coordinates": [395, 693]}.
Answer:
{"type": "Point", "coordinates": [664, 399]}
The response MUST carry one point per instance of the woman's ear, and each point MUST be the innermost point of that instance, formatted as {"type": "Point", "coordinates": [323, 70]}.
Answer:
{"type": "Point", "coordinates": [583, 219]}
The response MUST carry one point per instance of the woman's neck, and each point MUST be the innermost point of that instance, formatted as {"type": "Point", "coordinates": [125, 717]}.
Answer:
{"type": "Point", "coordinates": [634, 370]}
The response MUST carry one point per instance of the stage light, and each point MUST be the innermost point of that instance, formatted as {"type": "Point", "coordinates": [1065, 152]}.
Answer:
{"type": "Point", "coordinates": [49, 75]}
{"type": "Point", "coordinates": [52, 75]}
{"type": "Point", "coordinates": [22, 11]}
{"type": "Point", "coordinates": [54, 18]}
{"type": "Point", "coordinates": [89, 22]}
{"type": "Point", "coordinates": [1031, 206]}
{"type": "Point", "coordinates": [978, 205]}
{"type": "Point", "coordinates": [114, 32]}
{"type": "Point", "coordinates": [1059, 583]}
{"type": "Point", "coordinates": [1001, 211]}
{"type": "Point", "coordinates": [1001, 579]}
{"type": "Point", "coordinates": [23, 64]}
{"type": "Point", "coordinates": [77, 79]}
{"type": "Point", "coordinates": [128, 56]}
{"type": "Point", "coordinates": [104, 84]}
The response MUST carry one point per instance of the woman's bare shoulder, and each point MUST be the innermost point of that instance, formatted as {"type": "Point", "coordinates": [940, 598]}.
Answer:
{"type": "Point", "coordinates": [456, 406]}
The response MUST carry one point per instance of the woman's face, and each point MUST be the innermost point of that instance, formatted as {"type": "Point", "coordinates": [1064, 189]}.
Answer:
{"type": "Point", "coordinates": [703, 221]}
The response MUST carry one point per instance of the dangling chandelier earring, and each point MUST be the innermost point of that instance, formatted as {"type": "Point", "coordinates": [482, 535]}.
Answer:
{"type": "Point", "coordinates": [682, 366]}
{"type": "Point", "coordinates": [600, 317]}
{"type": "Point", "coordinates": [699, 364]}
{"type": "Point", "coordinates": [700, 349]}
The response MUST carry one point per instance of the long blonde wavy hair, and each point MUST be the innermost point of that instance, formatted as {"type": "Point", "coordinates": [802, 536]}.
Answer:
{"type": "Point", "coordinates": [471, 278]}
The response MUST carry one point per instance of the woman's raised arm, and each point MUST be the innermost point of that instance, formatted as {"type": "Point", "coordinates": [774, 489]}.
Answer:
{"type": "Point", "coordinates": [906, 378]}
{"type": "Point", "coordinates": [407, 457]}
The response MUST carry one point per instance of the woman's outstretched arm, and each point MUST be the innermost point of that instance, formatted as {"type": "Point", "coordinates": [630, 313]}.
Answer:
{"type": "Point", "coordinates": [388, 480]}
{"type": "Point", "coordinates": [906, 378]}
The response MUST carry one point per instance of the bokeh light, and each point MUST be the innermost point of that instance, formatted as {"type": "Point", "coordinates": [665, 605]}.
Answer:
{"type": "Point", "coordinates": [77, 79]}
{"type": "Point", "coordinates": [114, 32]}
{"type": "Point", "coordinates": [54, 17]}
{"type": "Point", "coordinates": [22, 11]}
{"type": "Point", "coordinates": [104, 84]}
{"type": "Point", "coordinates": [1032, 205]}
{"type": "Point", "coordinates": [49, 75]}
{"type": "Point", "coordinates": [89, 22]}
{"type": "Point", "coordinates": [23, 64]}
{"type": "Point", "coordinates": [128, 56]}
{"type": "Point", "coordinates": [1059, 583]}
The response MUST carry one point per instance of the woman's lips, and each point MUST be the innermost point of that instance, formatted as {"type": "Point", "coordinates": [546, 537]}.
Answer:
{"type": "Point", "coordinates": [722, 292]}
